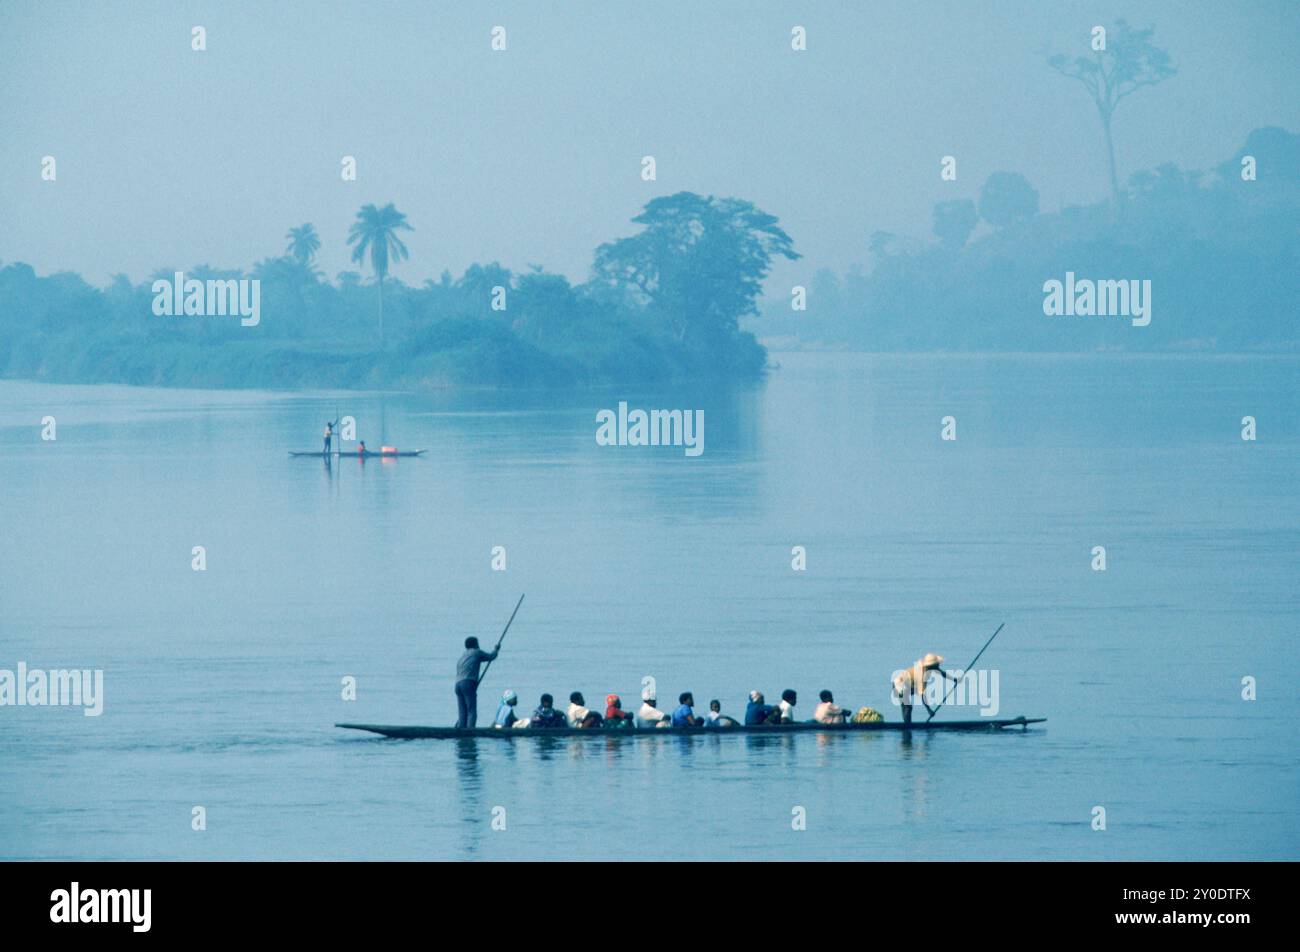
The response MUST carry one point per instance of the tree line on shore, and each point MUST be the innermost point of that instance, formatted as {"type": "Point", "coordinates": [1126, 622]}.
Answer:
{"type": "Point", "coordinates": [1219, 248]}
{"type": "Point", "coordinates": [662, 304]}
{"type": "Point", "coordinates": [1221, 253]}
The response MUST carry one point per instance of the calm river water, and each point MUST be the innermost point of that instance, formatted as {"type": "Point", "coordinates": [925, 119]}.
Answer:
{"type": "Point", "coordinates": [221, 687]}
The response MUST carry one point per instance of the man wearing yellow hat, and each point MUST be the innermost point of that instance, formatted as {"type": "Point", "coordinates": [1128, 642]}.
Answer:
{"type": "Point", "coordinates": [911, 682]}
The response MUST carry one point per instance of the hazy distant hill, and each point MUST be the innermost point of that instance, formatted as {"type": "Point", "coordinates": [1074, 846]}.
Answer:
{"type": "Point", "coordinates": [1222, 255]}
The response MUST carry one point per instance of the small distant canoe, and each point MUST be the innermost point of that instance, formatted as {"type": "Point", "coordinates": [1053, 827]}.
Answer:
{"type": "Point", "coordinates": [615, 733]}
{"type": "Point", "coordinates": [368, 454]}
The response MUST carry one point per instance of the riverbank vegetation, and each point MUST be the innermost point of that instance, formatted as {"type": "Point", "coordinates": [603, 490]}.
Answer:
{"type": "Point", "coordinates": [1220, 248]}
{"type": "Point", "coordinates": [660, 305]}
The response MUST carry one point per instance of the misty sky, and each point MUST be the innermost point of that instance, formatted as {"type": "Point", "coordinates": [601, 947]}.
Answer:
{"type": "Point", "coordinates": [169, 157]}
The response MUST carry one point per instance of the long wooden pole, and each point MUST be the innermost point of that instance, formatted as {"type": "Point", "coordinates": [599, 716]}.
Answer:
{"type": "Point", "coordinates": [963, 674]}
{"type": "Point", "coordinates": [483, 673]}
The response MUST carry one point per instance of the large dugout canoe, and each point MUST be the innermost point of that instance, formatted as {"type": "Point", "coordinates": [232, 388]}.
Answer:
{"type": "Point", "coordinates": [529, 733]}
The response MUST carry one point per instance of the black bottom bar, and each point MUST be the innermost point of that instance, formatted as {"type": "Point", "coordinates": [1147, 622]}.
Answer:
{"type": "Point", "coordinates": [1221, 902]}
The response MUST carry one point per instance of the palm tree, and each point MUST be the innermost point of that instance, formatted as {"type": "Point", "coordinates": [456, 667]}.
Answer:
{"type": "Point", "coordinates": [303, 243]}
{"type": "Point", "coordinates": [376, 229]}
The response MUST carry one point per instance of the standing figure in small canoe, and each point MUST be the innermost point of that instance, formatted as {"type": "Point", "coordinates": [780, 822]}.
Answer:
{"type": "Point", "coordinates": [329, 436]}
{"type": "Point", "coordinates": [910, 683]}
{"type": "Point", "coordinates": [467, 674]}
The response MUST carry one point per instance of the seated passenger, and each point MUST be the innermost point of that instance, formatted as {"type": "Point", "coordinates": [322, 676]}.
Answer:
{"type": "Point", "coordinates": [684, 716]}
{"type": "Point", "coordinates": [715, 717]}
{"type": "Point", "coordinates": [757, 712]}
{"type": "Point", "coordinates": [546, 716]}
{"type": "Point", "coordinates": [786, 706]}
{"type": "Point", "coordinates": [649, 715]}
{"type": "Point", "coordinates": [506, 712]}
{"type": "Point", "coordinates": [578, 714]}
{"type": "Point", "coordinates": [828, 712]}
{"type": "Point", "coordinates": [615, 716]}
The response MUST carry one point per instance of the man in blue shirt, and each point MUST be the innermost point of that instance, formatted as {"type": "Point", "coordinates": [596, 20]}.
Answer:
{"type": "Point", "coordinates": [684, 716]}
{"type": "Point", "coordinates": [467, 676]}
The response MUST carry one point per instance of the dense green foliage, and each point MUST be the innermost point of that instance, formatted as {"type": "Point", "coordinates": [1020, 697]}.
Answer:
{"type": "Point", "coordinates": [654, 310]}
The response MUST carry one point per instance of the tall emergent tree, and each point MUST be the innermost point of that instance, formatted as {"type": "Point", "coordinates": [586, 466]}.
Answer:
{"type": "Point", "coordinates": [303, 244]}
{"type": "Point", "coordinates": [699, 262]}
{"type": "Point", "coordinates": [375, 230]}
{"type": "Point", "coordinates": [1128, 61]}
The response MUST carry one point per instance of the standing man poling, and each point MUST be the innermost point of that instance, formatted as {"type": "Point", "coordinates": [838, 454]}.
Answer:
{"type": "Point", "coordinates": [910, 683]}
{"type": "Point", "coordinates": [467, 678]}
{"type": "Point", "coordinates": [329, 436]}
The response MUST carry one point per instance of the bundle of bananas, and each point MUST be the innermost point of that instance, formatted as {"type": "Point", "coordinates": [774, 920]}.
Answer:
{"type": "Point", "coordinates": [867, 715]}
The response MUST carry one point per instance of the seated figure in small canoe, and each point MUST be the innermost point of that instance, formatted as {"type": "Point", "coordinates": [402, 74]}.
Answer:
{"type": "Point", "coordinates": [578, 715]}
{"type": "Point", "coordinates": [506, 716]}
{"type": "Point", "coordinates": [615, 716]}
{"type": "Point", "coordinates": [546, 716]}
{"type": "Point", "coordinates": [649, 715]}
{"type": "Point", "coordinates": [684, 716]}
{"type": "Point", "coordinates": [757, 711]}
{"type": "Point", "coordinates": [828, 712]}
{"type": "Point", "coordinates": [910, 683]}
{"type": "Point", "coordinates": [715, 717]}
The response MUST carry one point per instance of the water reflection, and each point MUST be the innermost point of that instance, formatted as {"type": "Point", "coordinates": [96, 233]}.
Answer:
{"type": "Point", "coordinates": [546, 745]}
{"type": "Point", "coordinates": [511, 753]}
{"type": "Point", "coordinates": [494, 429]}
{"type": "Point", "coordinates": [833, 749]}
{"type": "Point", "coordinates": [469, 773]}
{"type": "Point", "coordinates": [916, 773]}
{"type": "Point", "coordinates": [613, 750]}
{"type": "Point", "coordinates": [768, 744]}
